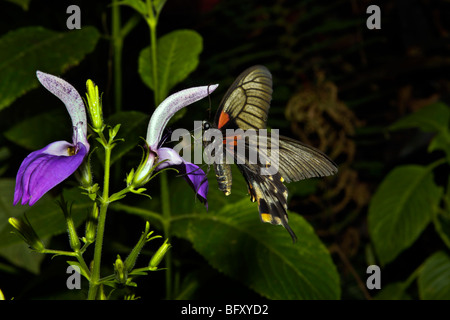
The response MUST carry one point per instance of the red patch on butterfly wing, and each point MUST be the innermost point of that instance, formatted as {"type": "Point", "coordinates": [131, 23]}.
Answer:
{"type": "Point", "coordinates": [232, 141]}
{"type": "Point", "coordinates": [223, 119]}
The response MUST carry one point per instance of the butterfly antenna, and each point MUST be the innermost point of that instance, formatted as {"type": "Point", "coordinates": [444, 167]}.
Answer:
{"type": "Point", "coordinates": [210, 104]}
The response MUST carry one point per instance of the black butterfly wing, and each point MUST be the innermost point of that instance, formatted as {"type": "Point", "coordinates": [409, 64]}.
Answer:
{"type": "Point", "coordinates": [267, 190]}
{"type": "Point", "coordinates": [294, 161]}
{"type": "Point", "coordinates": [271, 195]}
{"type": "Point", "coordinates": [246, 103]}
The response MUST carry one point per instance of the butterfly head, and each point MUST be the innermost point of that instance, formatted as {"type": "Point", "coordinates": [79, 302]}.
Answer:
{"type": "Point", "coordinates": [206, 125]}
{"type": "Point", "coordinates": [208, 135]}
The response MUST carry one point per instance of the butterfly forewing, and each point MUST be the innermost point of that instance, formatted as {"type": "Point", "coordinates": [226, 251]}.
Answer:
{"type": "Point", "coordinates": [246, 103]}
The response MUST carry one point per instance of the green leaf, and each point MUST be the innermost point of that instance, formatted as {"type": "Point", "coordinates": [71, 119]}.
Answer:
{"type": "Point", "coordinates": [45, 216]}
{"type": "Point", "coordinates": [77, 264]}
{"type": "Point", "coordinates": [25, 50]}
{"type": "Point", "coordinates": [432, 118]}
{"type": "Point", "coordinates": [177, 56]}
{"type": "Point", "coordinates": [18, 253]}
{"type": "Point", "coordinates": [6, 202]}
{"type": "Point", "coordinates": [137, 5]}
{"type": "Point", "coordinates": [52, 126]}
{"type": "Point", "coordinates": [262, 256]}
{"type": "Point", "coordinates": [442, 226]}
{"type": "Point", "coordinates": [5, 155]}
{"type": "Point", "coordinates": [441, 141]}
{"type": "Point", "coordinates": [434, 279]}
{"type": "Point", "coordinates": [141, 7]}
{"type": "Point", "coordinates": [303, 188]}
{"type": "Point", "coordinates": [158, 5]}
{"type": "Point", "coordinates": [401, 208]}
{"type": "Point", "coordinates": [231, 237]}
{"type": "Point", "coordinates": [22, 3]}
{"type": "Point", "coordinates": [393, 291]}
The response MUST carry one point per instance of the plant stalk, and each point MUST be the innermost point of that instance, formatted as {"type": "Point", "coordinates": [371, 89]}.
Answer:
{"type": "Point", "coordinates": [117, 53]}
{"type": "Point", "coordinates": [95, 276]}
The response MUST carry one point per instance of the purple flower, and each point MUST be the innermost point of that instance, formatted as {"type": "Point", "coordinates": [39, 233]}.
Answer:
{"type": "Point", "coordinates": [167, 157]}
{"type": "Point", "coordinates": [43, 169]}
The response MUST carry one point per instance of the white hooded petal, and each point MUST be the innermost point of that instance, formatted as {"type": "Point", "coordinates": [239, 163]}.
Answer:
{"type": "Point", "coordinates": [169, 107]}
{"type": "Point", "coordinates": [73, 102]}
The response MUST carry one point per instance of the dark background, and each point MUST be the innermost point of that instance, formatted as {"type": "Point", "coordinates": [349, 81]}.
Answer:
{"type": "Point", "coordinates": [322, 58]}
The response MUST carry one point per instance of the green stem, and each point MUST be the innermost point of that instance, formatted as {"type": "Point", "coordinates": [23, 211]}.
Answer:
{"type": "Point", "coordinates": [83, 264]}
{"type": "Point", "coordinates": [76, 254]}
{"type": "Point", "coordinates": [118, 195]}
{"type": "Point", "coordinates": [117, 46]}
{"type": "Point", "coordinates": [165, 200]}
{"type": "Point", "coordinates": [79, 256]}
{"type": "Point", "coordinates": [152, 21]}
{"type": "Point", "coordinates": [165, 197]}
{"type": "Point", "coordinates": [59, 252]}
{"type": "Point", "coordinates": [95, 276]}
{"type": "Point", "coordinates": [154, 60]}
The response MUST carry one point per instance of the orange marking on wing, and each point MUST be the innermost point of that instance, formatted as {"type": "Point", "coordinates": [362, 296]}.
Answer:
{"type": "Point", "coordinates": [232, 140]}
{"type": "Point", "coordinates": [223, 119]}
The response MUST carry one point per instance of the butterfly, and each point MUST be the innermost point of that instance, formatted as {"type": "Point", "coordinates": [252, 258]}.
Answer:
{"type": "Point", "coordinates": [246, 106]}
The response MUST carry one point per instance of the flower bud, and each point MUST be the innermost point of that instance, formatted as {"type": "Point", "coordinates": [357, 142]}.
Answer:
{"type": "Point", "coordinates": [84, 177]}
{"type": "Point", "coordinates": [145, 169]}
{"type": "Point", "coordinates": [130, 177]}
{"type": "Point", "coordinates": [27, 233]}
{"type": "Point", "coordinates": [120, 270]}
{"type": "Point", "coordinates": [158, 256]}
{"type": "Point", "coordinates": [91, 225]}
{"type": "Point", "coordinates": [71, 229]}
{"type": "Point", "coordinates": [84, 174]}
{"type": "Point", "coordinates": [132, 257]}
{"type": "Point", "coordinates": [94, 106]}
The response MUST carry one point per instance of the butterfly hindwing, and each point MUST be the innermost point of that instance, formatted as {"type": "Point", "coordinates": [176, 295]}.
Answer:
{"type": "Point", "coordinates": [271, 195]}
{"type": "Point", "coordinates": [295, 160]}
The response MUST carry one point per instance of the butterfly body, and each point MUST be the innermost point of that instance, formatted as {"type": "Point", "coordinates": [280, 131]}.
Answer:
{"type": "Point", "coordinates": [224, 177]}
{"type": "Point", "coordinates": [244, 109]}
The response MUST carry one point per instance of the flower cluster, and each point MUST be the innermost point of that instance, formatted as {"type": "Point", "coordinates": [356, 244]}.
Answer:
{"type": "Point", "coordinates": [45, 168]}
